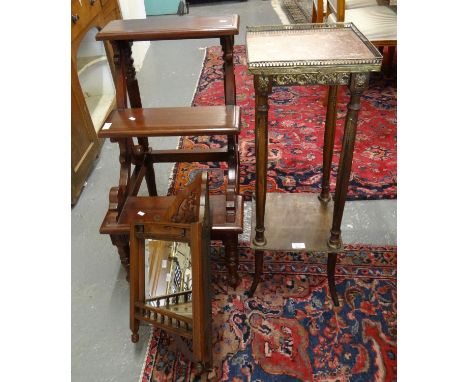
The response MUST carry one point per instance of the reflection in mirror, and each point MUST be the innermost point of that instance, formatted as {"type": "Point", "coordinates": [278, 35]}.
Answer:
{"type": "Point", "coordinates": [168, 271]}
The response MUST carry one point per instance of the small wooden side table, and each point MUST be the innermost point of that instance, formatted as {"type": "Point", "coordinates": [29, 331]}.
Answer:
{"type": "Point", "coordinates": [306, 54]}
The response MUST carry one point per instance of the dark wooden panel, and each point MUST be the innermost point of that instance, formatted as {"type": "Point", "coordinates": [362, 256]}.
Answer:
{"type": "Point", "coordinates": [187, 155]}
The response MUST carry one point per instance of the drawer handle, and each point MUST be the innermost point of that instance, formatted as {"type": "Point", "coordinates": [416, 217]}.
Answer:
{"type": "Point", "coordinates": [75, 18]}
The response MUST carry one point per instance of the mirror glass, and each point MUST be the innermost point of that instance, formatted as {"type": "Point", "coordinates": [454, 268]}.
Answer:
{"type": "Point", "coordinates": [168, 269]}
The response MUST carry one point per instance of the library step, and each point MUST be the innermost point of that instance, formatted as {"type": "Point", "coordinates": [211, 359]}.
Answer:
{"type": "Point", "coordinates": [170, 28]}
{"type": "Point", "coordinates": [172, 121]}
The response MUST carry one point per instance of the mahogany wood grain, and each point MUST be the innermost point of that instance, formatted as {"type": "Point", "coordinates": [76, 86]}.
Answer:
{"type": "Point", "coordinates": [188, 155]}
{"type": "Point", "coordinates": [170, 122]}
{"type": "Point", "coordinates": [170, 28]}
{"type": "Point", "coordinates": [173, 121]}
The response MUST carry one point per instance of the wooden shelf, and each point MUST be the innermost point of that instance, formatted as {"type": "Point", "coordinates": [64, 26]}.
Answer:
{"type": "Point", "coordinates": [174, 121]}
{"type": "Point", "coordinates": [299, 218]}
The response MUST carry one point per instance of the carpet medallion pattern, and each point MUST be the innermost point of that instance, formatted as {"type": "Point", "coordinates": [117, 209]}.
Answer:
{"type": "Point", "coordinates": [290, 330]}
{"type": "Point", "coordinates": [296, 128]}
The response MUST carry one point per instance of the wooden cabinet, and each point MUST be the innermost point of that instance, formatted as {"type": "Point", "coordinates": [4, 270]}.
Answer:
{"type": "Point", "coordinates": [92, 92]}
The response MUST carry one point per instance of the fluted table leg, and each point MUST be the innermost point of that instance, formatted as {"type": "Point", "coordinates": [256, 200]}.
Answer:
{"type": "Point", "coordinates": [358, 84]}
{"type": "Point", "coordinates": [262, 89]}
{"type": "Point", "coordinates": [329, 143]}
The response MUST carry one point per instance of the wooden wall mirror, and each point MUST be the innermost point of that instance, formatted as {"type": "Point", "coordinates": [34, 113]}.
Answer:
{"type": "Point", "coordinates": [170, 274]}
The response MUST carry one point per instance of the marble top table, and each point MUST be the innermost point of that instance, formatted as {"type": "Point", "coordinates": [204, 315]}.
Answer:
{"type": "Point", "coordinates": [306, 54]}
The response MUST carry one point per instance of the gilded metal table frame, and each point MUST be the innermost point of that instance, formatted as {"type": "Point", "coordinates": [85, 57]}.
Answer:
{"type": "Point", "coordinates": [355, 74]}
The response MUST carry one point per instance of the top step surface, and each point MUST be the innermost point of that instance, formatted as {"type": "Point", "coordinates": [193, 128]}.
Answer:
{"type": "Point", "coordinates": [172, 121]}
{"type": "Point", "coordinates": [170, 28]}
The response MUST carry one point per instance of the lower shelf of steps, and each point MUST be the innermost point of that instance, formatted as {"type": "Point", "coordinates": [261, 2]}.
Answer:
{"type": "Point", "coordinates": [150, 208]}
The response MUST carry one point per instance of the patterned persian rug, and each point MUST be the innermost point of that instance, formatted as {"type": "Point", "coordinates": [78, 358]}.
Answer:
{"type": "Point", "coordinates": [298, 11]}
{"type": "Point", "coordinates": [290, 330]}
{"type": "Point", "coordinates": [296, 128]}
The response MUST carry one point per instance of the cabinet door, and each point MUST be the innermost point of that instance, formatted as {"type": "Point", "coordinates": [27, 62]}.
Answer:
{"type": "Point", "coordinates": [110, 10]}
{"type": "Point", "coordinates": [88, 16]}
{"type": "Point", "coordinates": [83, 12]}
{"type": "Point", "coordinates": [84, 142]}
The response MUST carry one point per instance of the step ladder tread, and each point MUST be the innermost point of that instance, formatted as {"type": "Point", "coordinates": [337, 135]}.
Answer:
{"type": "Point", "coordinates": [170, 28]}
{"type": "Point", "coordinates": [151, 208]}
{"type": "Point", "coordinates": [172, 121]}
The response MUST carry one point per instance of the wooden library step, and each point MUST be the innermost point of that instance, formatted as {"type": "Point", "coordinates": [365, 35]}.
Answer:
{"type": "Point", "coordinates": [152, 208]}
{"type": "Point", "coordinates": [172, 121]}
{"type": "Point", "coordinates": [170, 28]}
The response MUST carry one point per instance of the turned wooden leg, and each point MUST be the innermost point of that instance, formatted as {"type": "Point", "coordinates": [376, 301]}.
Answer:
{"type": "Point", "coordinates": [262, 89]}
{"type": "Point", "coordinates": [123, 248]}
{"type": "Point", "coordinates": [227, 43]}
{"type": "Point", "coordinates": [331, 264]}
{"type": "Point", "coordinates": [329, 143]}
{"type": "Point", "coordinates": [135, 102]}
{"type": "Point", "coordinates": [258, 272]}
{"type": "Point", "coordinates": [359, 82]}
{"type": "Point", "coordinates": [232, 259]}
{"type": "Point", "coordinates": [135, 258]}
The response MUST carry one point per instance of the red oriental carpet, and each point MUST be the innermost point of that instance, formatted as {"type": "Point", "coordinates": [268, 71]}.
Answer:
{"type": "Point", "coordinates": [290, 330]}
{"type": "Point", "coordinates": [296, 127]}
